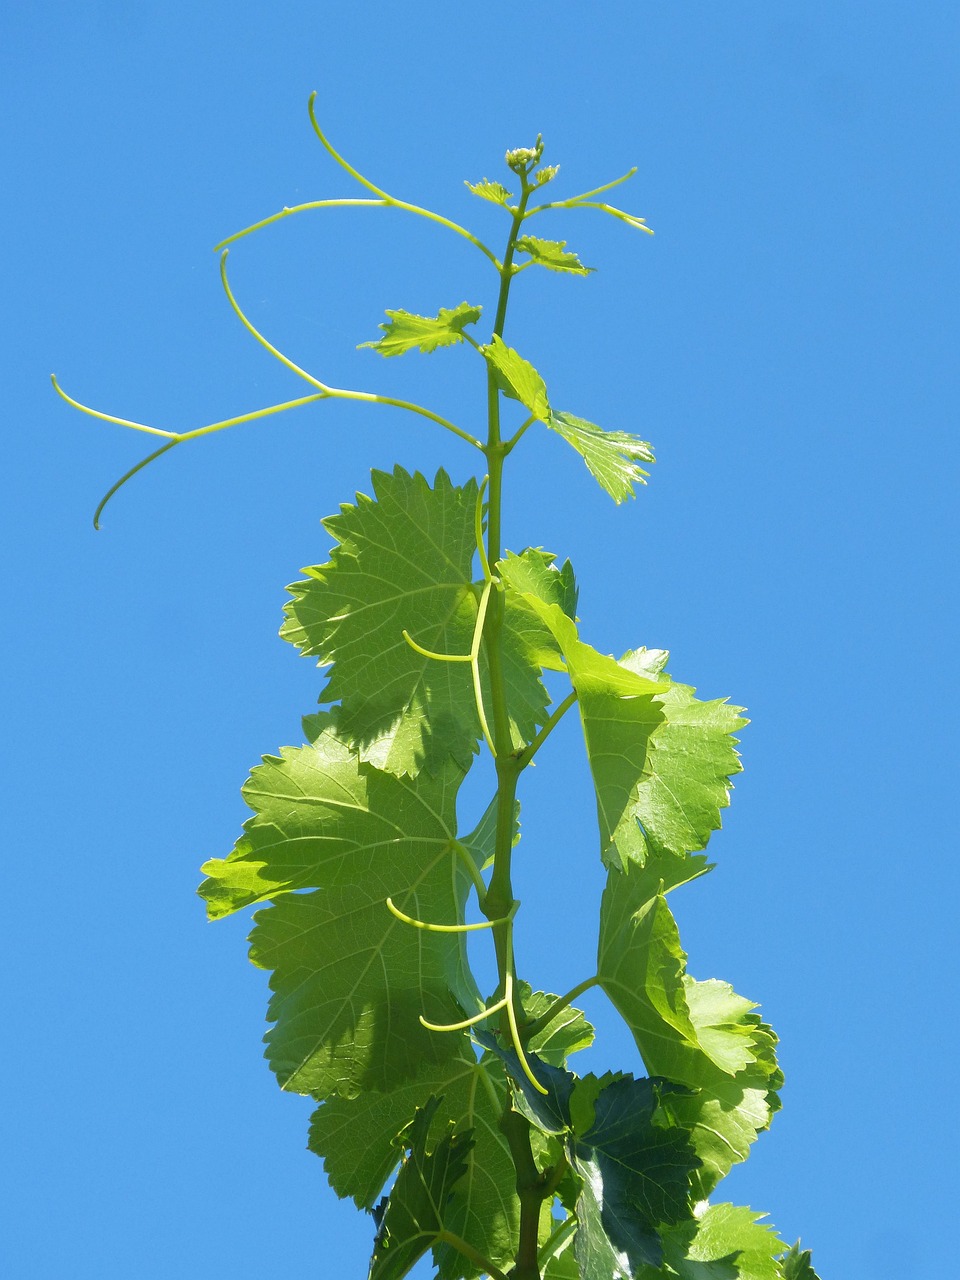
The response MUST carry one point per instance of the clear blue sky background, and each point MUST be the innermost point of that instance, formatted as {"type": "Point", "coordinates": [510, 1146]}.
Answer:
{"type": "Point", "coordinates": [787, 340]}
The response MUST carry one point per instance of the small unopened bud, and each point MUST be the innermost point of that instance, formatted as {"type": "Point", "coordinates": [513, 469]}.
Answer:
{"type": "Point", "coordinates": [522, 159]}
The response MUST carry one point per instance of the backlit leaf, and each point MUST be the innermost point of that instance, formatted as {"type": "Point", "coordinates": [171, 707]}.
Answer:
{"type": "Point", "coordinates": [404, 562]}
{"type": "Point", "coordinates": [405, 331]}
{"type": "Point", "coordinates": [416, 1211]}
{"type": "Point", "coordinates": [612, 457]}
{"type": "Point", "coordinates": [699, 1034]}
{"type": "Point", "coordinates": [552, 254]}
{"type": "Point", "coordinates": [517, 378]}
{"type": "Point", "coordinates": [492, 191]}
{"type": "Point", "coordinates": [349, 980]}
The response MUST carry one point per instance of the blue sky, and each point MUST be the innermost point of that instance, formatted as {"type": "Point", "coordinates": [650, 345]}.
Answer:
{"type": "Point", "coordinates": [787, 340]}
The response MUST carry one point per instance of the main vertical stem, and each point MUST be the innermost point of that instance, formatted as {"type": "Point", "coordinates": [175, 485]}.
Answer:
{"type": "Point", "coordinates": [499, 898]}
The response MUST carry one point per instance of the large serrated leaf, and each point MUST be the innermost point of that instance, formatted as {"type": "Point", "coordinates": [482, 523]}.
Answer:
{"type": "Point", "coordinates": [416, 1211]}
{"type": "Point", "coordinates": [726, 1240]}
{"type": "Point", "coordinates": [687, 777]}
{"type": "Point", "coordinates": [700, 1034]}
{"type": "Point", "coordinates": [633, 1167]}
{"type": "Point", "coordinates": [404, 562]}
{"type": "Point", "coordinates": [406, 331]}
{"type": "Point", "coordinates": [350, 981]}
{"type": "Point", "coordinates": [355, 1137]}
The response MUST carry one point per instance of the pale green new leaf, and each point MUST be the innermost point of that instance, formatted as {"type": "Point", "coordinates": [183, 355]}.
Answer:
{"type": "Point", "coordinates": [408, 332]}
{"type": "Point", "coordinates": [495, 192]}
{"type": "Point", "coordinates": [517, 378]}
{"type": "Point", "coordinates": [612, 457]}
{"type": "Point", "coordinates": [416, 1211]}
{"type": "Point", "coordinates": [404, 562]}
{"type": "Point", "coordinates": [699, 1034]}
{"type": "Point", "coordinates": [552, 254]}
{"type": "Point", "coordinates": [349, 980]}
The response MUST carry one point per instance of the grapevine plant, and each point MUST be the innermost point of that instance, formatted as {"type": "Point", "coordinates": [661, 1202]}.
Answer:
{"type": "Point", "coordinates": [497, 1157]}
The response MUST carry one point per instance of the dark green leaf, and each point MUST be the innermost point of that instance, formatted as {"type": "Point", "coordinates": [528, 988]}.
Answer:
{"type": "Point", "coordinates": [416, 1210]}
{"type": "Point", "coordinates": [636, 1178]}
{"type": "Point", "coordinates": [552, 254]}
{"type": "Point", "coordinates": [408, 332]}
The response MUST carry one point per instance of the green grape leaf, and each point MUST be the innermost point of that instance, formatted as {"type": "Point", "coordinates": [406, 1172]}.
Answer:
{"type": "Point", "coordinates": [408, 332]}
{"type": "Point", "coordinates": [355, 1138]}
{"type": "Point", "coordinates": [796, 1264]}
{"type": "Point", "coordinates": [612, 457]}
{"type": "Point", "coordinates": [415, 1212]}
{"type": "Point", "coordinates": [552, 254]}
{"type": "Point", "coordinates": [636, 1179]}
{"type": "Point", "coordinates": [619, 711]}
{"type": "Point", "coordinates": [563, 1264]}
{"type": "Point", "coordinates": [565, 1034]}
{"type": "Point", "coordinates": [728, 1235]}
{"type": "Point", "coordinates": [691, 760]}
{"type": "Point", "coordinates": [535, 572]}
{"type": "Point", "coordinates": [350, 981]}
{"type": "Point", "coordinates": [699, 1034]}
{"type": "Point", "coordinates": [403, 562]}
{"type": "Point", "coordinates": [492, 191]}
{"type": "Point", "coordinates": [634, 1170]}
{"type": "Point", "coordinates": [517, 378]}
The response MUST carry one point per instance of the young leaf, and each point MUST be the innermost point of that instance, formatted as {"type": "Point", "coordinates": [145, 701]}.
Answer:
{"type": "Point", "coordinates": [517, 378]}
{"type": "Point", "coordinates": [350, 981]}
{"type": "Point", "coordinates": [536, 572]}
{"type": "Point", "coordinates": [796, 1265]}
{"type": "Point", "coordinates": [408, 332]}
{"type": "Point", "coordinates": [552, 254]}
{"type": "Point", "coordinates": [415, 1213]}
{"type": "Point", "coordinates": [495, 192]}
{"type": "Point", "coordinates": [612, 457]}
{"type": "Point", "coordinates": [565, 1034]}
{"type": "Point", "coordinates": [700, 1034]}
